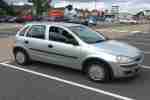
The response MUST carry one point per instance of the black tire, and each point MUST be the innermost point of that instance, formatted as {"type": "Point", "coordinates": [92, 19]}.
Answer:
{"type": "Point", "coordinates": [105, 73]}
{"type": "Point", "coordinates": [24, 55]}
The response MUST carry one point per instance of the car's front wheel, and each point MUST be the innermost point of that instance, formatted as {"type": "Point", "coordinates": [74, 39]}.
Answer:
{"type": "Point", "coordinates": [97, 72]}
{"type": "Point", "coordinates": [21, 57]}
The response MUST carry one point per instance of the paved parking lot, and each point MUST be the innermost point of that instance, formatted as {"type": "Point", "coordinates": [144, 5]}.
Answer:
{"type": "Point", "coordinates": [44, 81]}
{"type": "Point", "coordinates": [142, 41]}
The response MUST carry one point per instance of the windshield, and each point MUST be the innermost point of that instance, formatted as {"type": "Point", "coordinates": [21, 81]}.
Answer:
{"type": "Point", "coordinates": [87, 35]}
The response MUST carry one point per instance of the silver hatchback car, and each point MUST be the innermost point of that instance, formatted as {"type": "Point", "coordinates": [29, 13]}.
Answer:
{"type": "Point", "coordinates": [78, 47]}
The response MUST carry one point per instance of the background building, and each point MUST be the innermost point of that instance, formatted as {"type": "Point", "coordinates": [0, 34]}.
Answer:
{"type": "Point", "coordinates": [115, 11]}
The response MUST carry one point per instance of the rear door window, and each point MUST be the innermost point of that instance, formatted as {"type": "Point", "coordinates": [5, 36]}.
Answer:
{"type": "Point", "coordinates": [37, 31]}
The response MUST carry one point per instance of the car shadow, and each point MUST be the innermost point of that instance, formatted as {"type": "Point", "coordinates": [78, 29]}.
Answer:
{"type": "Point", "coordinates": [125, 80]}
{"type": "Point", "coordinates": [68, 73]}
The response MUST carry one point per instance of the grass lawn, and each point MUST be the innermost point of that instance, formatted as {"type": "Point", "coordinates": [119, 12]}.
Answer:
{"type": "Point", "coordinates": [130, 28]}
{"type": "Point", "coordinates": [8, 30]}
{"type": "Point", "coordinates": [123, 30]}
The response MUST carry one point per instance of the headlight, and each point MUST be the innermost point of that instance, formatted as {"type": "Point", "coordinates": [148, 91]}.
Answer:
{"type": "Point", "coordinates": [123, 59]}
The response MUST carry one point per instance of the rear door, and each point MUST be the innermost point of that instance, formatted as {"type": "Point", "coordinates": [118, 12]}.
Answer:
{"type": "Point", "coordinates": [35, 41]}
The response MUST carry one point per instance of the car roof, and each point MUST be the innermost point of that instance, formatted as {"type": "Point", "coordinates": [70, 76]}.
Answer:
{"type": "Point", "coordinates": [54, 23]}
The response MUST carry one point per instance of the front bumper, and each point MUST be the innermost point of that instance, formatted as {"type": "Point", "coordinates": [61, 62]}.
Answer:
{"type": "Point", "coordinates": [120, 71]}
{"type": "Point", "coordinates": [127, 70]}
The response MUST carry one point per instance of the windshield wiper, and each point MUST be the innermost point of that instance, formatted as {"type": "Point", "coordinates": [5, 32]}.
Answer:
{"type": "Point", "coordinates": [99, 41]}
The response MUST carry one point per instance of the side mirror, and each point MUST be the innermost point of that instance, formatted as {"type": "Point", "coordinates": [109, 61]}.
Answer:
{"type": "Point", "coordinates": [107, 38]}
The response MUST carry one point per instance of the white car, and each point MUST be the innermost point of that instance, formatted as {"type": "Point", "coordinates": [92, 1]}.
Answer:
{"type": "Point", "coordinates": [128, 21]}
{"type": "Point", "coordinates": [78, 47]}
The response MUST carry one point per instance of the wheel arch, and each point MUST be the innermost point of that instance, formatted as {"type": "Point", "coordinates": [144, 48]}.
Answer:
{"type": "Point", "coordinates": [21, 49]}
{"type": "Point", "coordinates": [17, 48]}
{"type": "Point", "coordinates": [93, 59]}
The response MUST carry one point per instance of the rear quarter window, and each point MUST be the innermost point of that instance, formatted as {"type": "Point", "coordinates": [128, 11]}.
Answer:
{"type": "Point", "coordinates": [23, 31]}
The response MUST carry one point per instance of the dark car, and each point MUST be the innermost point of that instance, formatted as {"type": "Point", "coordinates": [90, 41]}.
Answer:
{"type": "Point", "coordinates": [2, 18]}
{"type": "Point", "coordinates": [37, 18]}
{"type": "Point", "coordinates": [12, 19]}
{"type": "Point", "coordinates": [19, 19]}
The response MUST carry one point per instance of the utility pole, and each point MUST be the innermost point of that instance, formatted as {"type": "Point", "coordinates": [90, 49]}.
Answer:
{"type": "Point", "coordinates": [95, 4]}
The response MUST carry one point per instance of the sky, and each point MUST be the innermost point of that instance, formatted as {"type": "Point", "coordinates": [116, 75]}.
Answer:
{"type": "Point", "coordinates": [132, 6]}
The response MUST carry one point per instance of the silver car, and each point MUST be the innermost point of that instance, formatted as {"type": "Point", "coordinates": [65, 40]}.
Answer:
{"type": "Point", "coordinates": [78, 47]}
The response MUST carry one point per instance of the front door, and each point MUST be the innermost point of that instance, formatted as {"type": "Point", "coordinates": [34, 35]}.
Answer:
{"type": "Point", "coordinates": [61, 50]}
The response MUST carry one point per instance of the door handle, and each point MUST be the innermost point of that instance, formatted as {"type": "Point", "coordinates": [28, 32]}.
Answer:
{"type": "Point", "coordinates": [50, 46]}
{"type": "Point", "coordinates": [26, 42]}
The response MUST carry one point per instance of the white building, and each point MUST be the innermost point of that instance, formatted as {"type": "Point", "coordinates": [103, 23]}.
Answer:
{"type": "Point", "coordinates": [18, 2]}
{"type": "Point", "coordinates": [90, 5]}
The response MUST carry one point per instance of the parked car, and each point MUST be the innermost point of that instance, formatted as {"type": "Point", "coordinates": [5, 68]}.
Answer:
{"type": "Point", "coordinates": [128, 21]}
{"type": "Point", "coordinates": [2, 18]}
{"type": "Point", "coordinates": [12, 19]}
{"type": "Point", "coordinates": [52, 18]}
{"type": "Point", "coordinates": [76, 20]}
{"type": "Point", "coordinates": [19, 19]}
{"type": "Point", "coordinates": [27, 18]}
{"type": "Point", "coordinates": [101, 18]}
{"type": "Point", "coordinates": [79, 47]}
{"type": "Point", "coordinates": [37, 18]}
{"type": "Point", "coordinates": [91, 20]}
{"type": "Point", "coordinates": [109, 18]}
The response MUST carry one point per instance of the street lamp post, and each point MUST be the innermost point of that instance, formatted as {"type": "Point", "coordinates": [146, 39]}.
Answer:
{"type": "Point", "coordinates": [95, 4]}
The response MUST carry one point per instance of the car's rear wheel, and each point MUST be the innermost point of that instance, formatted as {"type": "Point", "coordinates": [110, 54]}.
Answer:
{"type": "Point", "coordinates": [97, 72]}
{"type": "Point", "coordinates": [21, 57]}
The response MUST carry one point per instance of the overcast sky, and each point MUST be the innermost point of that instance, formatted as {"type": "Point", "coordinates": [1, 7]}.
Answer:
{"type": "Point", "coordinates": [132, 6]}
{"type": "Point", "coordinates": [125, 5]}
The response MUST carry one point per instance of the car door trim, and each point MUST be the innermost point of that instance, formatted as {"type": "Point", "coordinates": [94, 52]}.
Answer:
{"type": "Point", "coordinates": [74, 57]}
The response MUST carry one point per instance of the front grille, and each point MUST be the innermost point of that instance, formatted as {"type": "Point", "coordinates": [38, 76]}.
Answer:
{"type": "Point", "coordinates": [129, 66]}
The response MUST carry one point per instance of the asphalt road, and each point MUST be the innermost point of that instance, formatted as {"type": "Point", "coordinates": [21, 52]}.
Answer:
{"type": "Point", "coordinates": [6, 34]}
{"type": "Point", "coordinates": [20, 84]}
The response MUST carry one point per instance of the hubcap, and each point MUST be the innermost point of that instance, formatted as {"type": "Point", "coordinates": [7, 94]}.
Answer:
{"type": "Point", "coordinates": [20, 57]}
{"type": "Point", "coordinates": [96, 72]}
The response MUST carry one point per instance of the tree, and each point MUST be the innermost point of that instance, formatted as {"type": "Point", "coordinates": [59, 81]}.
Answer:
{"type": "Point", "coordinates": [6, 9]}
{"type": "Point", "coordinates": [40, 6]}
